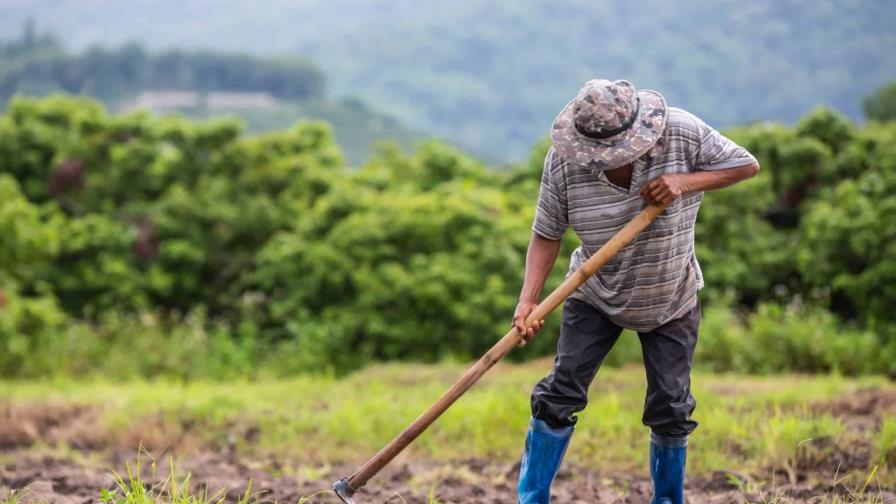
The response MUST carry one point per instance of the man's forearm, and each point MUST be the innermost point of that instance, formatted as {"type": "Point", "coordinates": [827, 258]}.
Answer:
{"type": "Point", "coordinates": [665, 188]}
{"type": "Point", "coordinates": [717, 179]}
{"type": "Point", "coordinates": [539, 260]}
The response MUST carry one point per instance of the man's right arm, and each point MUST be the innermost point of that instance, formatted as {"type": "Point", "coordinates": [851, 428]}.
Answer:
{"type": "Point", "coordinates": [539, 260]}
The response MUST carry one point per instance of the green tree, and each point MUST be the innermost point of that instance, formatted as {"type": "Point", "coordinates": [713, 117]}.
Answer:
{"type": "Point", "coordinates": [209, 250]}
{"type": "Point", "coordinates": [881, 105]}
{"type": "Point", "coordinates": [848, 244]}
{"type": "Point", "coordinates": [29, 243]}
{"type": "Point", "coordinates": [36, 65]}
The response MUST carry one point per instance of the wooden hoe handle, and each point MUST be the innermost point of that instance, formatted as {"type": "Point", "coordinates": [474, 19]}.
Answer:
{"type": "Point", "coordinates": [346, 487]}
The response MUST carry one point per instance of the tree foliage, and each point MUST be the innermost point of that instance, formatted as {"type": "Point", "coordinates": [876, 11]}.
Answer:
{"type": "Point", "coordinates": [848, 240]}
{"type": "Point", "coordinates": [881, 105]}
{"type": "Point", "coordinates": [200, 240]}
{"type": "Point", "coordinates": [38, 64]}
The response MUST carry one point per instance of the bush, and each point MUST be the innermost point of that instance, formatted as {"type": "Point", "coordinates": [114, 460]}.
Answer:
{"type": "Point", "coordinates": [847, 245]}
{"type": "Point", "coordinates": [780, 338]}
{"type": "Point", "coordinates": [31, 333]}
{"type": "Point", "coordinates": [138, 246]}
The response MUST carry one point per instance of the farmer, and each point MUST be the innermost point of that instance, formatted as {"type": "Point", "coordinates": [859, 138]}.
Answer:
{"type": "Point", "coordinates": [614, 150]}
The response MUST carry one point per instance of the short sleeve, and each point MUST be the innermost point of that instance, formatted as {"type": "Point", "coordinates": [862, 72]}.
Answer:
{"type": "Point", "coordinates": [551, 219]}
{"type": "Point", "coordinates": [718, 152]}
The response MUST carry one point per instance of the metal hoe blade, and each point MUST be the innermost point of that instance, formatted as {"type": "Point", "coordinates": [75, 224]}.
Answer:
{"type": "Point", "coordinates": [344, 491]}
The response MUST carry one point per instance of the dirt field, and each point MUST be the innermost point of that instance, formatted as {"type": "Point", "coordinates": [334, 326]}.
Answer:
{"type": "Point", "coordinates": [475, 481]}
{"type": "Point", "coordinates": [58, 453]}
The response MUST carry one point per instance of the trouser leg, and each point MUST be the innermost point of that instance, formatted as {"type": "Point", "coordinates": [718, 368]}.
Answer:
{"type": "Point", "coordinates": [668, 357]}
{"type": "Point", "coordinates": [585, 338]}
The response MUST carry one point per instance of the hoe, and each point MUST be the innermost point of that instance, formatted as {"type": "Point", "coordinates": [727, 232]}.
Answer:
{"type": "Point", "coordinates": [346, 487]}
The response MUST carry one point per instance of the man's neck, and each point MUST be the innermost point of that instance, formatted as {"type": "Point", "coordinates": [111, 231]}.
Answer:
{"type": "Point", "coordinates": [621, 176]}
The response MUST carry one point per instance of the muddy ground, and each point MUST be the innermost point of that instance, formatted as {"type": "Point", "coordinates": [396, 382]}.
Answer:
{"type": "Point", "coordinates": [78, 475]}
{"type": "Point", "coordinates": [55, 480]}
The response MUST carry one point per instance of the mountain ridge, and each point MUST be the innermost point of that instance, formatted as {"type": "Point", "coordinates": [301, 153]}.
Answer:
{"type": "Point", "coordinates": [492, 76]}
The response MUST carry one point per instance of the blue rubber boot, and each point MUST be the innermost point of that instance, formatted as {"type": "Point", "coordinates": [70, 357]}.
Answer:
{"type": "Point", "coordinates": [545, 447]}
{"type": "Point", "coordinates": [667, 461]}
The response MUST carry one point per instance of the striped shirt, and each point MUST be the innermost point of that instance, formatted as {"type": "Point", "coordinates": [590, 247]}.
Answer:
{"type": "Point", "coordinates": [655, 278]}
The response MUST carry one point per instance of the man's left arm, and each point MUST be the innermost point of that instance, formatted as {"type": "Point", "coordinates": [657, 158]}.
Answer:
{"type": "Point", "coordinates": [715, 162]}
{"type": "Point", "coordinates": [665, 188]}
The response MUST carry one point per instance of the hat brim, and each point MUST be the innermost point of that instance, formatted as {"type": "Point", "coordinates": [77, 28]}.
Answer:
{"type": "Point", "coordinates": [615, 151]}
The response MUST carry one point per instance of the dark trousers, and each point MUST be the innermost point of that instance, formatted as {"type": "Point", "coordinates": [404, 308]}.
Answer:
{"type": "Point", "coordinates": [586, 337]}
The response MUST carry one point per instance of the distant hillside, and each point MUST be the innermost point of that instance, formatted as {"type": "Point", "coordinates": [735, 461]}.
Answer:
{"type": "Point", "coordinates": [492, 75]}
{"type": "Point", "coordinates": [268, 93]}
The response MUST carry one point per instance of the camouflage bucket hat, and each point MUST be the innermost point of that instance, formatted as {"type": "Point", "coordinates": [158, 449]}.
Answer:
{"type": "Point", "coordinates": [609, 124]}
